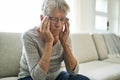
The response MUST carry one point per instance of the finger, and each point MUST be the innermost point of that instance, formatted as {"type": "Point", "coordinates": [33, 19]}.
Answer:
{"type": "Point", "coordinates": [48, 25]}
{"type": "Point", "coordinates": [67, 27]}
{"type": "Point", "coordinates": [44, 23]}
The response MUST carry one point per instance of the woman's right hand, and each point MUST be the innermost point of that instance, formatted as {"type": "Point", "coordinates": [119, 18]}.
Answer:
{"type": "Point", "coordinates": [44, 29]}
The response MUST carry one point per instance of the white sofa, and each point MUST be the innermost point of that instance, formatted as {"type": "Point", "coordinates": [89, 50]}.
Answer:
{"type": "Point", "coordinates": [89, 49]}
{"type": "Point", "coordinates": [92, 53]}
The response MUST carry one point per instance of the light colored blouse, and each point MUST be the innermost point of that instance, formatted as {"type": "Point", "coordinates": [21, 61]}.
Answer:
{"type": "Point", "coordinates": [33, 48]}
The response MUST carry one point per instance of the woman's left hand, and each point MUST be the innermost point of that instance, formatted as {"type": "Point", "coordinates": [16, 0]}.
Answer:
{"type": "Point", "coordinates": [64, 34]}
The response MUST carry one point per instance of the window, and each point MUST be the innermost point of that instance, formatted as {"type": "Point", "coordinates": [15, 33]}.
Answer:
{"type": "Point", "coordinates": [101, 15]}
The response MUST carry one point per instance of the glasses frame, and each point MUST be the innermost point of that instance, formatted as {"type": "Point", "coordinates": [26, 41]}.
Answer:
{"type": "Point", "coordinates": [55, 20]}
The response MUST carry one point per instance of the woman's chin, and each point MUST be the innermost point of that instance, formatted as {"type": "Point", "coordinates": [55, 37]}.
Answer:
{"type": "Point", "coordinates": [56, 37]}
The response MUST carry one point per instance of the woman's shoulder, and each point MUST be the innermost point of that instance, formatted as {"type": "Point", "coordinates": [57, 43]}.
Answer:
{"type": "Point", "coordinates": [30, 35]}
{"type": "Point", "coordinates": [31, 32]}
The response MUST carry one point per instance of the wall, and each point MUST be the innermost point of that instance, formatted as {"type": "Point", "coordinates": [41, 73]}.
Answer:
{"type": "Point", "coordinates": [119, 18]}
{"type": "Point", "coordinates": [113, 13]}
{"type": "Point", "coordinates": [87, 10]}
{"type": "Point", "coordinates": [82, 15]}
{"type": "Point", "coordinates": [82, 12]}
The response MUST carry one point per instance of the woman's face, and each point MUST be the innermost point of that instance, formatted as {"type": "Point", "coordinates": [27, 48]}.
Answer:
{"type": "Point", "coordinates": [57, 21]}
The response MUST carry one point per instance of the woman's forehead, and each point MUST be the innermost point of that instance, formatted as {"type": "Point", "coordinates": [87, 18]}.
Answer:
{"type": "Point", "coordinates": [57, 13]}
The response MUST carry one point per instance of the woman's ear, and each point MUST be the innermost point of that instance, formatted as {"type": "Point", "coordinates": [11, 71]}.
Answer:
{"type": "Point", "coordinates": [41, 17]}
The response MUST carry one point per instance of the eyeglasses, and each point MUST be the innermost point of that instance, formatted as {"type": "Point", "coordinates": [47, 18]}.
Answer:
{"type": "Point", "coordinates": [54, 20]}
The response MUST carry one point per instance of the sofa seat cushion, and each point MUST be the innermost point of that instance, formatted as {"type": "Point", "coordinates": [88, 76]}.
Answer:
{"type": "Point", "coordinates": [100, 70]}
{"type": "Point", "coordinates": [9, 78]}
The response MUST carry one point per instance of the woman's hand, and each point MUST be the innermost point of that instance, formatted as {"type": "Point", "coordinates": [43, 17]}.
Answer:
{"type": "Point", "coordinates": [45, 31]}
{"type": "Point", "coordinates": [64, 34]}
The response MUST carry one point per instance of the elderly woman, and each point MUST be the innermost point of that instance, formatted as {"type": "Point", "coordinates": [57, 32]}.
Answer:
{"type": "Point", "coordinates": [47, 45]}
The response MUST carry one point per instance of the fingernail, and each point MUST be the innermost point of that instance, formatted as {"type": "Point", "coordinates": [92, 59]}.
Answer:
{"type": "Point", "coordinates": [47, 16]}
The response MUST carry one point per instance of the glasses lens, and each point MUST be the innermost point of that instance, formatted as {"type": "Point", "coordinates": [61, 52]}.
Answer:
{"type": "Point", "coordinates": [64, 20]}
{"type": "Point", "coordinates": [54, 20]}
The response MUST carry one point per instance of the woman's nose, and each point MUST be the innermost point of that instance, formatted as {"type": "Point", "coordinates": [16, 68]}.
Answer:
{"type": "Point", "coordinates": [58, 24]}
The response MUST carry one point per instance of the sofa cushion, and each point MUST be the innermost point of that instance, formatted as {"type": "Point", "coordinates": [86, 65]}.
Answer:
{"type": "Point", "coordinates": [83, 47]}
{"type": "Point", "coordinates": [9, 78]}
{"type": "Point", "coordinates": [112, 43]}
{"type": "Point", "coordinates": [100, 46]}
{"type": "Point", "coordinates": [100, 70]}
{"type": "Point", "coordinates": [113, 59]}
{"type": "Point", "coordinates": [10, 53]}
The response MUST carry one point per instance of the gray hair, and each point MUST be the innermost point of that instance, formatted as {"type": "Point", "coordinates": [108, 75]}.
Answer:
{"type": "Point", "coordinates": [50, 5]}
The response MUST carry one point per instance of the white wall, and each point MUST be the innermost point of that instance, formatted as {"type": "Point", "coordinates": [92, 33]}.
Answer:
{"type": "Point", "coordinates": [119, 18]}
{"type": "Point", "coordinates": [113, 13]}
{"type": "Point", "coordinates": [87, 10]}
{"type": "Point", "coordinates": [82, 16]}
{"type": "Point", "coordinates": [74, 15]}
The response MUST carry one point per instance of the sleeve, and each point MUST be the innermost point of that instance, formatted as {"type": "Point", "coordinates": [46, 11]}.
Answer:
{"type": "Point", "coordinates": [33, 57]}
{"type": "Point", "coordinates": [75, 71]}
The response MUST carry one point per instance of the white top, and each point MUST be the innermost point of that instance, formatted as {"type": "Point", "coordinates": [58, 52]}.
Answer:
{"type": "Point", "coordinates": [33, 48]}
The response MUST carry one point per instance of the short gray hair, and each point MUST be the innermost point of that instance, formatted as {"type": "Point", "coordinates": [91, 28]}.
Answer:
{"type": "Point", "coordinates": [50, 5]}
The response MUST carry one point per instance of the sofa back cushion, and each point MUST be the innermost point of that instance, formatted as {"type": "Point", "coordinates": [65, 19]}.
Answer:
{"type": "Point", "coordinates": [83, 47]}
{"type": "Point", "coordinates": [100, 45]}
{"type": "Point", "coordinates": [113, 43]}
{"type": "Point", "coordinates": [10, 53]}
